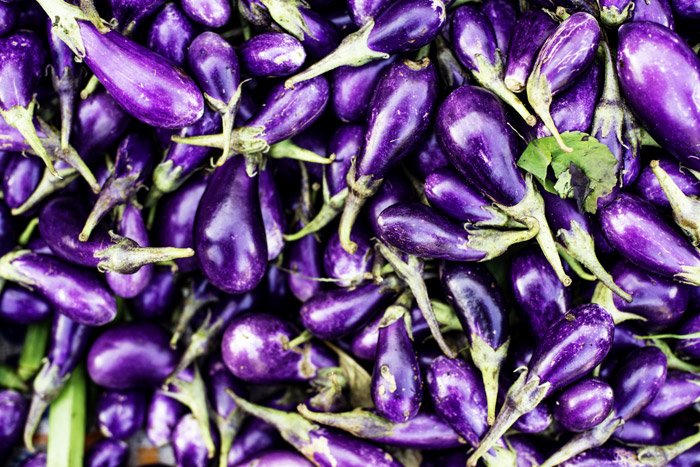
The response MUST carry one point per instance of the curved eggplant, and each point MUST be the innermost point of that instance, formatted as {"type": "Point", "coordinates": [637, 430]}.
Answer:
{"type": "Point", "coordinates": [170, 34]}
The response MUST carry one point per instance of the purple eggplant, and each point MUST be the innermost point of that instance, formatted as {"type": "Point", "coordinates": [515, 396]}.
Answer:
{"type": "Point", "coordinates": [429, 158]}
{"type": "Point", "coordinates": [13, 413]}
{"type": "Point", "coordinates": [272, 214]}
{"type": "Point", "coordinates": [502, 17]}
{"type": "Point", "coordinates": [20, 180]}
{"type": "Point", "coordinates": [131, 355]}
{"type": "Point", "coordinates": [8, 18]}
{"type": "Point", "coordinates": [130, 13]}
{"type": "Point", "coordinates": [108, 453]}
{"type": "Point", "coordinates": [395, 189]}
{"type": "Point", "coordinates": [189, 444]}
{"type": "Point", "coordinates": [349, 270]}
{"type": "Point", "coordinates": [22, 56]}
{"type": "Point", "coordinates": [210, 13]}
{"type": "Point", "coordinates": [649, 187]}
{"type": "Point", "coordinates": [257, 364]}
{"type": "Point", "coordinates": [170, 34]}
{"type": "Point", "coordinates": [232, 255]}
{"type": "Point", "coordinates": [322, 446]}
{"type": "Point", "coordinates": [483, 150]}
{"type": "Point", "coordinates": [583, 405]}
{"type": "Point", "coordinates": [680, 391]}
{"type": "Point", "coordinates": [479, 306]}
{"type": "Point", "coordinates": [75, 292]}
{"type": "Point", "coordinates": [572, 347]}
{"type": "Point", "coordinates": [277, 457]}
{"type": "Point", "coordinates": [401, 27]}
{"type": "Point", "coordinates": [272, 54]}
{"type": "Point", "coordinates": [158, 296]}
{"type": "Point", "coordinates": [536, 421]}
{"type": "Point", "coordinates": [305, 263]}
{"type": "Point", "coordinates": [120, 414]}
{"type": "Point", "coordinates": [639, 431]}
{"type": "Point", "coordinates": [529, 33]}
{"type": "Point", "coordinates": [65, 78]}
{"type": "Point", "coordinates": [362, 11]}
{"type": "Point", "coordinates": [475, 44]}
{"type": "Point", "coordinates": [451, 71]}
{"type": "Point", "coordinates": [352, 89]}
{"type": "Point", "coordinates": [542, 297]}
{"type": "Point", "coordinates": [615, 12]}
{"type": "Point", "coordinates": [69, 342]}
{"type": "Point", "coordinates": [686, 9]}
{"type": "Point", "coordinates": [656, 67]}
{"type": "Point", "coordinates": [655, 11]}
{"type": "Point", "coordinates": [227, 417]}
{"type": "Point", "coordinates": [162, 416]}
{"type": "Point", "coordinates": [564, 55]}
{"type": "Point", "coordinates": [100, 122]}
{"type": "Point", "coordinates": [627, 222]}
{"type": "Point", "coordinates": [635, 383]}
{"type": "Point", "coordinates": [215, 66]}
{"type": "Point", "coordinates": [19, 305]}
{"type": "Point", "coordinates": [254, 436]}
{"type": "Point", "coordinates": [689, 347]}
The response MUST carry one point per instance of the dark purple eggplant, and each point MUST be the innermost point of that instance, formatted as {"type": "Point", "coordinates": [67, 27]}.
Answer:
{"type": "Point", "coordinates": [649, 187]}
{"type": "Point", "coordinates": [349, 269]}
{"type": "Point", "coordinates": [277, 457]}
{"type": "Point", "coordinates": [272, 54]}
{"type": "Point", "coordinates": [210, 13]}
{"type": "Point", "coordinates": [13, 413]}
{"type": "Point", "coordinates": [162, 416]}
{"type": "Point", "coordinates": [401, 27]}
{"type": "Point", "coordinates": [189, 444]}
{"type": "Point", "coordinates": [8, 18]}
{"type": "Point", "coordinates": [583, 405]}
{"type": "Point", "coordinates": [305, 263]}
{"type": "Point", "coordinates": [502, 17]}
{"type": "Point", "coordinates": [656, 67]}
{"type": "Point", "coordinates": [170, 34]}
{"type": "Point", "coordinates": [130, 13]}
{"type": "Point", "coordinates": [572, 347]}
{"type": "Point", "coordinates": [107, 453]}
{"type": "Point", "coordinates": [475, 44]}
{"type": "Point", "coordinates": [655, 11]}
{"type": "Point", "coordinates": [627, 222]}
{"type": "Point", "coordinates": [689, 347]}
{"type": "Point", "coordinates": [479, 306]}
{"type": "Point", "coordinates": [120, 414]}
{"type": "Point", "coordinates": [564, 55]}
{"type": "Point", "coordinates": [254, 436]}
{"type": "Point", "coordinates": [20, 180]}
{"type": "Point", "coordinates": [686, 9]}
{"type": "Point", "coordinates": [529, 33]}
{"type": "Point", "coordinates": [352, 88]}
{"type": "Point", "coordinates": [680, 391]}
{"type": "Point", "coordinates": [272, 214]}
{"type": "Point", "coordinates": [20, 305]}
{"type": "Point", "coordinates": [226, 415]}
{"type": "Point", "coordinates": [615, 12]}
{"type": "Point", "coordinates": [65, 78]}
{"type": "Point", "coordinates": [131, 355]}
{"type": "Point", "coordinates": [639, 431]}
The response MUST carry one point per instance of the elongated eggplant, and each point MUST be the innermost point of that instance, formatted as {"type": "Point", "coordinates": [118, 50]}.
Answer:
{"type": "Point", "coordinates": [272, 214]}
{"type": "Point", "coordinates": [529, 33]}
{"type": "Point", "coordinates": [626, 223]}
{"type": "Point", "coordinates": [170, 34]}
{"type": "Point", "coordinates": [401, 27]}
{"type": "Point", "coordinates": [272, 54]}
{"type": "Point", "coordinates": [130, 13]}
{"type": "Point", "coordinates": [572, 347]}
{"type": "Point", "coordinates": [680, 391]}
{"type": "Point", "coordinates": [564, 55]}
{"type": "Point", "coordinates": [120, 414]}
{"type": "Point", "coordinates": [655, 11]}
{"type": "Point", "coordinates": [162, 416]}
{"type": "Point", "coordinates": [65, 79]}
{"type": "Point", "coordinates": [502, 17]}
{"type": "Point", "coordinates": [189, 443]}
{"type": "Point", "coordinates": [100, 122]}
{"type": "Point", "coordinates": [639, 431]}
{"type": "Point", "coordinates": [352, 88]}
{"type": "Point", "coordinates": [583, 405]}
{"type": "Point", "coordinates": [20, 305]}
{"type": "Point", "coordinates": [254, 437]}
{"type": "Point", "coordinates": [305, 262]}
{"type": "Point", "coordinates": [475, 43]}
{"type": "Point", "coordinates": [656, 67]}
{"type": "Point", "coordinates": [210, 13]}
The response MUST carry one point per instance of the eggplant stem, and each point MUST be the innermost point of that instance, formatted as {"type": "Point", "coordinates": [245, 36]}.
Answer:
{"type": "Point", "coordinates": [125, 256]}
{"type": "Point", "coordinates": [22, 118]}
{"type": "Point", "coordinates": [90, 87]}
{"type": "Point", "coordinates": [325, 216]}
{"type": "Point", "coordinates": [659, 456]}
{"type": "Point", "coordinates": [574, 264]}
{"type": "Point", "coordinates": [690, 275]}
{"type": "Point", "coordinates": [46, 187]}
{"type": "Point", "coordinates": [686, 210]}
{"type": "Point", "coordinates": [166, 179]}
{"type": "Point", "coordinates": [47, 386]}
{"type": "Point", "coordinates": [489, 362]}
{"type": "Point", "coordinates": [585, 441]}
{"type": "Point", "coordinates": [540, 98]}
{"type": "Point", "coordinates": [288, 150]}
{"type": "Point", "coordinates": [286, 14]}
{"type": "Point", "coordinates": [64, 18]}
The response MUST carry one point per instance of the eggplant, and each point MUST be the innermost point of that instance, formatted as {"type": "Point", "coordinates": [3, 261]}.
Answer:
{"type": "Point", "coordinates": [277, 457]}
{"type": "Point", "coordinates": [686, 9]}
{"type": "Point", "coordinates": [529, 33]}
{"type": "Point", "coordinates": [689, 347]}
{"type": "Point", "coordinates": [502, 17]}
{"type": "Point", "coordinates": [13, 412]}
{"type": "Point", "coordinates": [349, 270]}
{"type": "Point", "coordinates": [120, 414]}
{"type": "Point", "coordinates": [188, 443]}
{"type": "Point", "coordinates": [130, 13]}
{"type": "Point", "coordinates": [655, 11]}
{"type": "Point", "coordinates": [655, 67]}
{"type": "Point", "coordinates": [210, 13]}
{"type": "Point", "coordinates": [352, 88]}
{"type": "Point", "coordinates": [65, 80]}
{"type": "Point", "coordinates": [680, 391]}
{"type": "Point", "coordinates": [8, 18]}
{"type": "Point", "coordinates": [107, 452]}
{"type": "Point", "coordinates": [272, 54]}
{"type": "Point", "coordinates": [170, 34]}
{"type": "Point", "coordinates": [401, 27]}
{"type": "Point", "coordinates": [20, 180]}
{"type": "Point", "coordinates": [19, 305]}
{"type": "Point", "coordinates": [162, 416]}
{"type": "Point", "coordinates": [649, 187]}
{"type": "Point", "coordinates": [583, 405]}
{"type": "Point", "coordinates": [272, 213]}
{"type": "Point", "coordinates": [227, 417]}
{"type": "Point", "coordinates": [305, 262]}
{"type": "Point", "coordinates": [254, 437]}
{"type": "Point", "coordinates": [639, 431]}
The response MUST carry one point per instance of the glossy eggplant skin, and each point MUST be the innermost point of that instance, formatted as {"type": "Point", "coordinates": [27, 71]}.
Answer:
{"type": "Point", "coordinates": [686, 9]}
{"type": "Point", "coordinates": [659, 74]}
{"type": "Point", "coordinates": [305, 259]}
{"type": "Point", "coordinates": [120, 414]}
{"type": "Point", "coordinates": [232, 255]}
{"type": "Point", "coordinates": [530, 32]}
{"type": "Point", "coordinates": [100, 122]}
{"type": "Point", "coordinates": [680, 391]}
{"type": "Point", "coordinates": [210, 13]}
{"type": "Point", "coordinates": [8, 18]}
{"type": "Point", "coordinates": [255, 436]}
{"type": "Point", "coordinates": [171, 33]}
{"type": "Point", "coordinates": [394, 190]}
{"type": "Point", "coordinates": [20, 179]}
{"type": "Point", "coordinates": [626, 223]}
{"type": "Point", "coordinates": [107, 453]}
{"type": "Point", "coordinates": [167, 98]}
{"type": "Point", "coordinates": [13, 412]}
{"type": "Point", "coordinates": [655, 11]}
{"type": "Point", "coordinates": [272, 54]}
{"type": "Point", "coordinates": [163, 414]}
{"type": "Point", "coordinates": [131, 355]}
{"type": "Point", "coordinates": [583, 405]}
{"type": "Point", "coordinates": [188, 443]}
{"type": "Point", "coordinates": [689, 347]}
{"type": "Point", "coordinates": [637, 381]}
{"type": "Point", "coordinates": [648, 188]}
{"type": "Point", "coordinates": [277, 457]}
{"type": "Point", "coordinates": [20, 305]}
{"type": "Point", "coordinates": [352, 88]}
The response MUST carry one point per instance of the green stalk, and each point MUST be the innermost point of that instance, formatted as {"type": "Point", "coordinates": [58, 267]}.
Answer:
{"type": "Point", "coordinates": [67, 423]}
{"type": "Point", "coordinates": [33, 350]}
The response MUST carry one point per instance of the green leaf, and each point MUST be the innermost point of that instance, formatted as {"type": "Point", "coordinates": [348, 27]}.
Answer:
{"type": "Point", "coordinates": [67, 423]}
{"type": "Point", "coordinates": [586, 174]}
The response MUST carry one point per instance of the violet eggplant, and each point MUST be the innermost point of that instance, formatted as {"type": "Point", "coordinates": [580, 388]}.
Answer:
{"type": "Point", "coordinates": [157, 297]}
{"type": "Point", "coordinates": [352, 88]}
{"type": "Point", "coordinates": [271, 361]}
{"type": "Point", "coordinates": [215, 66]}
{"type": "Point", "coordinates": [65, 79]}
{"type": "Point", "coordinates": [529, 33]}
{"type": "Point", "coordinates": [68, 344]}
{"type": "Point", "coordinates": [395, 189]}
{"type": "Point", "coordinates": [572, 346]}
{"type": "Point", "coordinates": [655, 11]}
{"type": "Point", "coordinates": [424, 431]}
{"type": "Point", "coordinates": [686, 9]}
{"type": "Point", "coordinates": [107, 453]}
{"type": "Point", "coordinates": [130, 13]}
{"type": "Point", "coordinates": [13, 412]}
{"type": "Point", "coordinates": [655, 67]}
{"type": "Point", "coordinates": [479, 306]}
{"type": "Point", "coordinates": [75, 292]}
{"type": "Point", "coordinates": [277, 457]}
{"type": "Point", "coordinates": [541, 296]}
{"type": "Point", "coordinates": [649, 188]}
{"type": "Point", "coordinates": [19, 305]}
{"type": "Point", "coordinates": [210, 13]}
{"type": "Point", "coordinates": [483, 150]}
{"type": "Point", "coordinates": [60, 222]}
{"type": "Point", "coordinates": [429, 158]}
{"type": "Point", "coordinates": [132, 165]}
{"type": "Point", "coordinates": [635, 383]}
{"type": "Point", "coordinates": [120, 414]}
{"type": "Point", "coordinates": [305, 263]}
{"type": "Point", "coordinates": [272, 214]}
{"type": "Point", "coordinates": [362, 11]}
{"type": "Point", "coordinates": [626, 223]}
{"type": "Point", "coordinates": [397, 386]}
{"type": "Point", "coordinates": [639, 431]}
{"type": "Point", "coordinates": [349, 270]}
{"type": "Point", "coordinates": [100, 123]}
{"type": "Point", "coordinates": [320, 445]}
{"type": "Point", "coordinates": [232, 255]}
{"type": "Point", "coordinates": [20, 180]}
{"type": "Point", "coordinates": [338, 312]}
{"type": "Point", "coordinates": [22, 56]}
{"type": "Point", "coordinates": [474, 43]}
{"type": "Point", "coordinates": [254, 437]}
{"type": "Point", "coordinates": [536, 421]}
{"type": "Point", "coordinates": [162, 416]}
{"type": "Point", "coordinates": [131, 355]}
{"type": "Point", "coordinates": [227, 417]}
{"type": "Point", "coordinates": [680, 391]}
{"type": "Point", "coordinates": [502, 17]}
{"type": "Point", "coordinates": [689, 347]}
{"type": "Point", "coordinates": [170, 34]}
{"type": "Point", "coordinates": [188, 443]}
{"type": "Point", "coordinates": [272, 54]}
{"type": "Point", "coordinates": [564, 55]}
{"type": "Point", "coordinates": [8, 18]}
{"type": "Point", "coordinates": [583, 405]}
{"type": "Point", "coordinates": [450, 70]}
{"type": "Point", "coordinates": [401, 27]}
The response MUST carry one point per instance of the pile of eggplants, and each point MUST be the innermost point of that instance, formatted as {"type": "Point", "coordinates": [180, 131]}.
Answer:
{"type": "Point", "coordinates": [349, 233]}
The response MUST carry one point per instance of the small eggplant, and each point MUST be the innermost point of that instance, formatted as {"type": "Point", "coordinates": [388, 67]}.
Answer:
{"type": "Point", "coordinates": [162, 416]}
{"type": "Point", "coordinates": [272, 214]}
{"type": "Point", "coordinates": [130, 13]}
{"type": "Point", "coordinates": [65, 78]}
{"type": "Point", "coordinates": [429, 158]}
{"type": "Point", "coordinates": [451, 71]}
{"type": "Point", "coordinates": [572, 347]}
{"type": "Point", "coordinates": [277, 457]}
{"type": "Point", "coordinates": [131, 355]}
{"type": "Point", "coordinates": [120, 414]}
{"type": "Point", "coordinates": [352, 88]}
{"type": "Point", "coordinates": [583, 405]}
{"type": "Point", "coordinates": [100, 123]}
{"type": "Point", "coordinates": [254, 436]}
{"type": "Point", "coordinates": [655, 11]}
{"type": "Point", "coordinates": [564, 55]}
{"type": "Point", "coordinates": [362, 11]}
{"type": "Point", "coordinates": [656, 67]}
{"type": "Point", "coordinates": [210, 13]}
{"type": "Point", "coordinates": [20, 179]}
{"type": "Point", "coordinates": [189, 444]}
{"type": "Point", "coordinates": [271, 360]}
{"type": "Point", "coordinates": [502, 17]}
{"type": "Point", "coordinates": [680, 391]}
{"type": "Point", "coordinates": [627, 222]}
{"type": "Point", "coordinates": [107, 453]}
{"type": "Point", "coordinates": [322, 446]}
{"type": "Point", "coordinates": [19, 305]}
{"type": "Point", "coordinates": [479, 306]}
{"type": "Point", "coordinates": [395, 189]}
{"type": "Point", "coordinates": [13, 413]}
{"type": "Point", "coordinates": [170, 34]}
{"type": "Point", "coordinates": [475, 44]}
{"type": "Point", "coordinates": [401, 27]}
{"type": "Point", "coordinates": [305, 262]}
{"type": "Point", "coordinates": [272, 54]}
{"type": "Point", "coordinates": [615, 12]}
{"type": "Point", "coordinates": [640, 432]}
{"type": "Point", "coordinates": [689, 347]}
{"type": "Point", "coordinates": [530, 32]}
{"type": "Point", "coordinates": [349, 270]}
{"type": "Point", "coordinates": [649, 187]}
{"type": "Point", "coordinates": [232, 255]}
{"type": "Point", "coordinates": [226, 415]}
